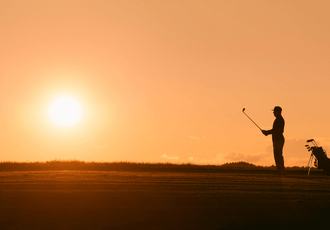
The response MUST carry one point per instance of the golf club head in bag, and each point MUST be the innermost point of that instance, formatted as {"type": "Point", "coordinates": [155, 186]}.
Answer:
{"type": "Point", "coordinates": [321, 159]}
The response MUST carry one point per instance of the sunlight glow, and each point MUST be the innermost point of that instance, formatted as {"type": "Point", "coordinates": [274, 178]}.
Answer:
{"type": "Point", "coordinates": [65, 111]}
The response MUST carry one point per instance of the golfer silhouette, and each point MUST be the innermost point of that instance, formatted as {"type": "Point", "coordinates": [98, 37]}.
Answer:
{"type": "Point", "coordinates": [278, 139]}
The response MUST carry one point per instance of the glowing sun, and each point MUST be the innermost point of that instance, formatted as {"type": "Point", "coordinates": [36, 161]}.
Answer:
{"type": "Point", "coordinates": [65, 111]}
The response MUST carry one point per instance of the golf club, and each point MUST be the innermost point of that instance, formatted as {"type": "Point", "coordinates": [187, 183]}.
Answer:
{"type": "Point", "coordinates": [313, 141]}
{"type": "Point", "coordinates": [251, 119]}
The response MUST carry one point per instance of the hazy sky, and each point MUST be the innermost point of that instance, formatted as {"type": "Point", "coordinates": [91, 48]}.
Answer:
{"type": "Point", "coordinates": [163, 81]}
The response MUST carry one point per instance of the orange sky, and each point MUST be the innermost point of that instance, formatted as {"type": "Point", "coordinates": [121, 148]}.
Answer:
{"type": "Point", "coordinates": [164, 81]}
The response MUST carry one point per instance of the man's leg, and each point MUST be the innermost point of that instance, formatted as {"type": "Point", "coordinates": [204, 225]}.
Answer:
{"type": "Point", "coordinates": [278, 156]}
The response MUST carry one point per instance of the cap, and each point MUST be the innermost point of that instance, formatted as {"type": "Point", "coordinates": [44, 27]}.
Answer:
{"type": "Point", "coordinates": [277, 108]}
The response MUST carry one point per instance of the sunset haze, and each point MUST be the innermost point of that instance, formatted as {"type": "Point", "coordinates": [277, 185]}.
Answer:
{"type": "Point", "coordinates": [163, 81]}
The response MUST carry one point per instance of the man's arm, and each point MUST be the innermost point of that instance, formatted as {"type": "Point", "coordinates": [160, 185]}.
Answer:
{"type": "Point", "coordinates": [278, 127]}
{"type": "Point", "coordinates": [267, 132]}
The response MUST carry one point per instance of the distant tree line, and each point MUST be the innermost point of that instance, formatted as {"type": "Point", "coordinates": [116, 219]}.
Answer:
{"type": "Point", "coordinates": [135, 166]}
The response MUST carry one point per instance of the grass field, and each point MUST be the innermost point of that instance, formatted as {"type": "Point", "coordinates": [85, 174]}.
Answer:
{"type": "Point", "coordinates": [163, 199]}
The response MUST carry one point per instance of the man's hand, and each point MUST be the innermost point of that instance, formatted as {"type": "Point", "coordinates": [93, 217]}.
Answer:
{"type": "Point", "coordinates": [265, 132]}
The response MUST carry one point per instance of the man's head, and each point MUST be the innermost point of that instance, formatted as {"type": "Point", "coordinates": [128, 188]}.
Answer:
{"type": "Point", "coordinates": [277, 111]}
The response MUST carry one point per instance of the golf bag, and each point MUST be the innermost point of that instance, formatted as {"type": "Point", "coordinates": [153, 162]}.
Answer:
{"type": "Point", "coordinates": [321, 159]}
{"type": "Point", "coordinates": [323, 162]}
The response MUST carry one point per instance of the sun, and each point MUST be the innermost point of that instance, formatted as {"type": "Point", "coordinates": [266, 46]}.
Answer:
{"type": "Point", "coordinates": [65, 111]}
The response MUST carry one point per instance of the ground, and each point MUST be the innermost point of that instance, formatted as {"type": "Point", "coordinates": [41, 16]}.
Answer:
{"type": "Point", "coordinates": [67, 199]}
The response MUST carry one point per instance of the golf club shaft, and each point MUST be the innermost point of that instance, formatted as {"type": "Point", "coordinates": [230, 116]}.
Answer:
{"type": "Point", "coordinates": [252, 120]}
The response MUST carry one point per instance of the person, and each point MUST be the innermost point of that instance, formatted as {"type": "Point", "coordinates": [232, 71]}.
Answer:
{"type": "Point", "coordinates": [278, 139]}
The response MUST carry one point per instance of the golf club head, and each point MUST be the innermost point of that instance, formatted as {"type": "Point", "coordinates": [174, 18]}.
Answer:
{"type": "Point", "coordinates": [310, 140]}
{"type": "Point", "coordinates": [243, 110]}
{"type": "Point", "coordinates": [306, 146]}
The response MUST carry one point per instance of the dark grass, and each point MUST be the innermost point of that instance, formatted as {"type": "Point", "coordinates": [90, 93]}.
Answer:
{"type": "Point", "coordinates": [122, 195]}
{"type": "Point", "coordinates": [162, 200]}
{"type": "Point", "coordinates": [141, 167]}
